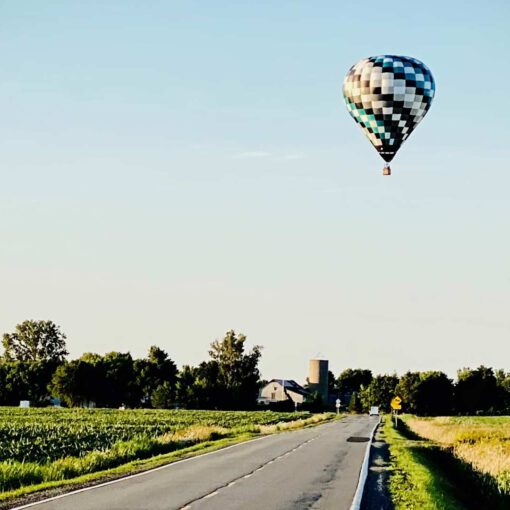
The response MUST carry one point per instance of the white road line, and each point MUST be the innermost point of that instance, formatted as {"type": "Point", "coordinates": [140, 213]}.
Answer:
{"type": "Point", "coordinates": [358, 495]}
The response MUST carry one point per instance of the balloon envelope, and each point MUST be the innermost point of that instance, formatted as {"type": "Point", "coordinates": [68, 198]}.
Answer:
{"type": "Point", "coordinates": [388, 96]}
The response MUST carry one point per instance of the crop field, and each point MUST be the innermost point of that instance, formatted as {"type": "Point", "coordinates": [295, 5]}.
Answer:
{"type": "Point", "coordinates": [47, 445]}
{"type": "Point", "coordinates": [482, 442]}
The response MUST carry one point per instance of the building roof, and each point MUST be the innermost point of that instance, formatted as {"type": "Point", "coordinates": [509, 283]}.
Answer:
{"type": "Point", "coordinates": [290, 384]}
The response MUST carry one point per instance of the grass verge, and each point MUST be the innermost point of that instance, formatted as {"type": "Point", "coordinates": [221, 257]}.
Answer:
{"type": "Point", "coordinates": [415, 482]}
{"type": "Point", "coordinates": [481, 441]}
{"type": "Point", "coordinates": [428, 476]}
{"type": "Point", "coordinates": [197, 442]}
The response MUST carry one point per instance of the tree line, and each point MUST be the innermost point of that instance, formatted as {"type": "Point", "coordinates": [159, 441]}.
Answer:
{"type": "Point", "coordinates": [432, 393]}
{"type": "Point", "coordinates": [34, 367]}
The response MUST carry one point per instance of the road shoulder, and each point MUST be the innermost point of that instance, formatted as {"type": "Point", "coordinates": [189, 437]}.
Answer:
{"type": "Point", "coordinates": [376, 495]}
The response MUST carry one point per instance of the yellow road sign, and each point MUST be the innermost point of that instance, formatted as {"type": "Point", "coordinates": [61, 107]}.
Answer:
{"type": "Point", "coordinates": [395, 403]}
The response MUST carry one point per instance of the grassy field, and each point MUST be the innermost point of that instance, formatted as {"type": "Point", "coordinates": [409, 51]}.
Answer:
{"type": "Point", "coordinates": [482, 442]}
{"type": "Point", "coordinates": [43, 447]}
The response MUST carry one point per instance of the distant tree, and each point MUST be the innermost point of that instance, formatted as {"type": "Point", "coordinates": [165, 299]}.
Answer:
{"type": "Point", "coordinates": [91, 357]}
{"type": "Point", "coordinates": [25, 380]}
{"type": "Point", "coordinates": [353, 380]}
{"type": "Point", "coordinates": [230, 379]}
{"type": "Point", "coordinates": [35, 341]}
{"type": "Point", "coordinates": [96, 381]}
{"type": "Point", "coordinates": [199, 387]}
{"type": "Point", "coordinates": [162, 396]}
{"type": "Point", "coordinates": [406, 389]}
{"type": "Point", "coordinates": [263, 382]}
{"type": "Point", "coordinates": [64, 383]}
{"type": "Point", "coordinates": [238, 374]}
{"type": "Point", "coordinates": [313, 402]}
{"type": "Point", "coordinates": [153, 372]}
{"type": "Point", "coordinates": [379, 392]}
{"type": "Point", "coordinates": [355, 404]}
{"type": "Point", "coordinates": [73, 383]}
{"type": "Point", "coordinates": [187, 390]}
{"type": "Point", "coordinates": [476, 391]}
{"type": "Point", "coordinates": [503, 384]}
{"type": "Point", "coordinates": [502, 379]}
{"type": "Point", "coordinates": [332, 386]}
{"type": "Point", "coordinates": [120, 381]}
{"type": "Point", "coordinates": [434, 395]}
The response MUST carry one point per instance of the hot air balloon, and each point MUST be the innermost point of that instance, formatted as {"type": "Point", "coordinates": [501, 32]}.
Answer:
{"type": "Point", "coordinates": [388, 96]}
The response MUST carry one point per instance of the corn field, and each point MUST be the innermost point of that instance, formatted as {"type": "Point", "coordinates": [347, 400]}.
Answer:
{"type": "Point", "coordinates": [39, 445]}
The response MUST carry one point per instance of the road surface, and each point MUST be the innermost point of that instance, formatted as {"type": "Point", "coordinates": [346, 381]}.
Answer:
{"type": "Point", "coordinates": [311, 468]}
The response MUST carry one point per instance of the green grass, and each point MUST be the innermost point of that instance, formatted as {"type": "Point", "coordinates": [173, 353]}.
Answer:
{"type": "Point", "coordinates": [415, 481]}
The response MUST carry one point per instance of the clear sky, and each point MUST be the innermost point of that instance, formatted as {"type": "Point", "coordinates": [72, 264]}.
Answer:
{"type": "Point", "coordinates": [172, 170]}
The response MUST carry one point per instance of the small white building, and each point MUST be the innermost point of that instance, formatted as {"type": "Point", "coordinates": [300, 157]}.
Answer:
{"type": "Point", "coordinates": [279, 390]}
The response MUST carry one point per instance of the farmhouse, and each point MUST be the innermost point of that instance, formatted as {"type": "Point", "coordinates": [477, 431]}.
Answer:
{"type": "Point", "coordinates": [278, 390]}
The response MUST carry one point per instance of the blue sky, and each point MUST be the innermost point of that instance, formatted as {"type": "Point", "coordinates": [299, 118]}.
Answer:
{"type": "Point", "coordinates": [171, 170]}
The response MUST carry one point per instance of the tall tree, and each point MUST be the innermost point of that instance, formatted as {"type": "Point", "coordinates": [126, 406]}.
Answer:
{"type": "Point", "coordinates": [238, 374]}
{"type": "Point", "coordinates": [35, 341]}
{"type": "Point", "coordinates": [156, 371]}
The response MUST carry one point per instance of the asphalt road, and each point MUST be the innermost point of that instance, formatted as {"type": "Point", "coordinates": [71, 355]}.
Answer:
{"type": "Point", "coordinates": [310, 468]}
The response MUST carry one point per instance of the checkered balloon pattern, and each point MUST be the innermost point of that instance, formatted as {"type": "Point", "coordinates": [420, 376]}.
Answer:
{"type": "Point", "coordinates": [388, 96]}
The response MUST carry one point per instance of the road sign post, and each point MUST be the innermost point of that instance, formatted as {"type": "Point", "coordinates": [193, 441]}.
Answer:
{"type": "Point", "coordinates": [337, 404]}
{"type": "Point", "coordinates": [396, 405]}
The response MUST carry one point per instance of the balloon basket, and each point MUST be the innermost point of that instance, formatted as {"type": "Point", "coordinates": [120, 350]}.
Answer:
{"type": "Point", "coordinates": [386, 170]}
